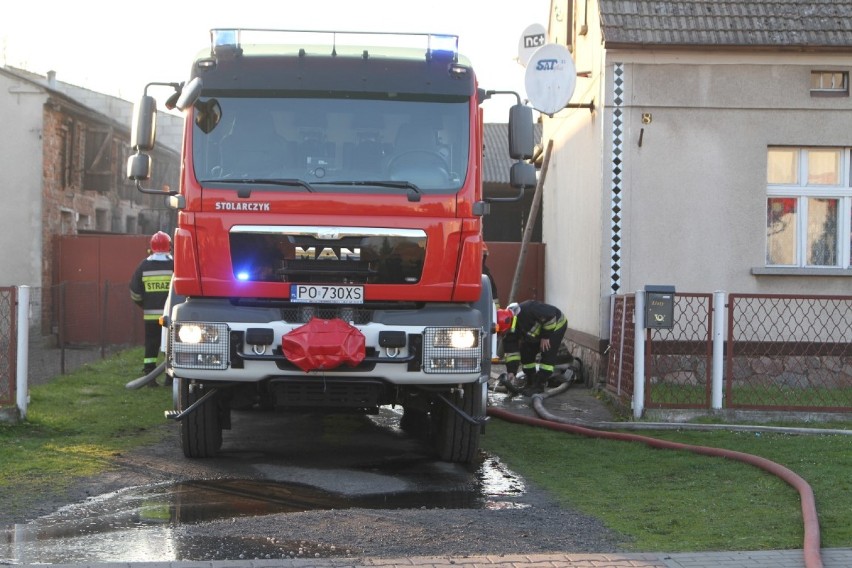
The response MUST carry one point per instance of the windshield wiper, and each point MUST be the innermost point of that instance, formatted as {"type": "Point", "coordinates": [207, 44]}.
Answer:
{"type": "Point", "coordinates": [287, 182]}
{"type": "Point", "coordinates": [414, 192]}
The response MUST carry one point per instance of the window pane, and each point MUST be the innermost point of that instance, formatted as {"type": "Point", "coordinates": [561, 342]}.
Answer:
{"type": "Point", "coordinates": [781, 215]}
{"type": "Point", "coordinates": [782, 166]}
{"type": "Point", "coordinates": [822, 232]}
{"type": "Point", "coordinates": [823, 167]}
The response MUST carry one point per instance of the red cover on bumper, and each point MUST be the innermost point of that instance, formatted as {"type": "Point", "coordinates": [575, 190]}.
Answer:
{"type": "Point", "coordinates": [324, 344]}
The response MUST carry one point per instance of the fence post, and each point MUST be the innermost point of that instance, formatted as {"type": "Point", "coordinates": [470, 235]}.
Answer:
{"type": "Point", "coordinates": [718, 364]}
{"type": "Point", "coordinates": [22, 366]}
{"type": "Point", "coordinates": [639, 355]}
{"type": "Point", "coordinates": [103, 322]}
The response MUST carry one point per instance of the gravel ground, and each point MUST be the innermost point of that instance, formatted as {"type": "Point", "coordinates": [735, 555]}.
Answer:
{"type": "Point", "coordinates": [528, 523]}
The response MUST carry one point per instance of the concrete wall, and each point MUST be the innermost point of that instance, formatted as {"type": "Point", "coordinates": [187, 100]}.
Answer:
{"type": "Point", "coordinates": [21, 151]}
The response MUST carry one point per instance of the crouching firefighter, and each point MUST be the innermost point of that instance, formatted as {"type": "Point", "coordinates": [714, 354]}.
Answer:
{"type": "Point", "coordinates": [529, 329]}
{"type": "Point", "coordinates": [149, 289]}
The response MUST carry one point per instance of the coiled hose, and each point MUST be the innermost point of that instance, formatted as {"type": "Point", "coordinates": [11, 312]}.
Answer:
{"type": "Point", "coordinates": [811, 546]}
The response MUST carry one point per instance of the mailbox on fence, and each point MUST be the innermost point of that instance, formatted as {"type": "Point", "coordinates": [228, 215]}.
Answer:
{"type": "Point", "coordinates": [659, 307]}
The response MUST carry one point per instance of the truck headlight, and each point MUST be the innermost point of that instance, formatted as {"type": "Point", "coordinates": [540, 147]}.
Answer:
{"type": "Point", "coordinates": [199, 345]}
{"type": "Point", "coordinates": [452, 350]}
{"type": "Point", "coordinates": [197, 332]}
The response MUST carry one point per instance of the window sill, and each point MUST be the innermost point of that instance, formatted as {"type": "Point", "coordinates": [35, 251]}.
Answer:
{"type": "Point", "coordinates": [791, 271]}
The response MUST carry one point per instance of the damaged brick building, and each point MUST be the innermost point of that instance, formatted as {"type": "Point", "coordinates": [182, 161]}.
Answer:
{"type": "Point", "coordinates": [62, 174]}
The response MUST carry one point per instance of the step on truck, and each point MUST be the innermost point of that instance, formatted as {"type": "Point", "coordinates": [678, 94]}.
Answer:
{"type": "Point", "coordinates": [328, 246]}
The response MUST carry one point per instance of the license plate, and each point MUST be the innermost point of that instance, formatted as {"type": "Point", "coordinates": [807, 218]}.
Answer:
{"type": "Point", "coordinates": [327, 294]}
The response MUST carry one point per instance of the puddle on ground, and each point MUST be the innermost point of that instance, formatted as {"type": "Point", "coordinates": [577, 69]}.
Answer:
{"type": "Point", "coordinates": [142, 523]}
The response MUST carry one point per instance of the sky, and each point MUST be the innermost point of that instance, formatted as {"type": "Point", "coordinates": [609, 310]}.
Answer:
{"type": "Point", "coordinates": [117, 47]}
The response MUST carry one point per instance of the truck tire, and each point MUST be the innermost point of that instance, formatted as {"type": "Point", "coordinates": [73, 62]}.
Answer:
{"type": "Point", "coordinates": [457, 440]}
{"type": "Point", "coordinates": [201, 430]}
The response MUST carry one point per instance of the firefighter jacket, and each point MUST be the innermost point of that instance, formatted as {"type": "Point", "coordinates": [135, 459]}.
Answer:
{"type": "Point", "coordinates": [535, 321]}
{"type": "Point", "coordinates": [149, 287]}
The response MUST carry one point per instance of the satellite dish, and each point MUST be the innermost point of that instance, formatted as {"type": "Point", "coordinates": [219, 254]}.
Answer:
{"type": "Point", "coordinates": [533, 37]}
{"type": "Point", "coordinates": [550, 78]}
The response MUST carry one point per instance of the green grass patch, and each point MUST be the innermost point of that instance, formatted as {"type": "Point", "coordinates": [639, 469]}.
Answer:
{"type": "Point", "coordinates": [76, 423]}
{"type": "Point", "coordinates": [664, 500]}
{"type": "Point", "coordinates": [764, 395]}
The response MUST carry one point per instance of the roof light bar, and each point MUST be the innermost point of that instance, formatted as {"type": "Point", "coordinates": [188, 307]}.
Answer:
{"type": "Point", "coordinates": [224, 40]}
{"type": "Point", "coordinates": [442, 47]}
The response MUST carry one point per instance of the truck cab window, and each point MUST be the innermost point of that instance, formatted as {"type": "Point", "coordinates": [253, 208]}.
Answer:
{"type": "Point", "coordinates": [332, 140]}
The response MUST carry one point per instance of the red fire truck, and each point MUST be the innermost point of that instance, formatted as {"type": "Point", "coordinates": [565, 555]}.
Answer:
{"type": "Point", "coordinates": [328, 249]}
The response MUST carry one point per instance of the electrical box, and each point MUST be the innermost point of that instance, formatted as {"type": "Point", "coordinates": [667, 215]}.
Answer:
{"type": "Point", "coordinates": [659, 307]}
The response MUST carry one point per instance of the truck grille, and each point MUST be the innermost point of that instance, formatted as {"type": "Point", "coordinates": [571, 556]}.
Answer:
{"type": "Point", "coordinates": [332, 255]}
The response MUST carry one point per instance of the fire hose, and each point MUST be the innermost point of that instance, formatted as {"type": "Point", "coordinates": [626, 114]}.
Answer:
{"type": "Point", "coordinates": [811, 548]}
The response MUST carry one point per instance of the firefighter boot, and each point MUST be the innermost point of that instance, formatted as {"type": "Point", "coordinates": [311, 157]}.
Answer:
{"type": "Point", "coordinates": [535, 386]}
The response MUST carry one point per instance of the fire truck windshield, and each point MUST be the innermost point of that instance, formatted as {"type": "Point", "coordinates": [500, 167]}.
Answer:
{"type": "Point", "coordinates": [334, 144]}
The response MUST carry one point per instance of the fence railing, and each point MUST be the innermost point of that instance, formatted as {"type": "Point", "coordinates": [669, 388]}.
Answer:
{"type": "Point", "coordinates": [777, 352]}
{"type": "Point", "coordinates": [8, 345]}
{"type": "Point", "coordinates": [70, 324]}
{"type": "Point", "coordinates": [789, 352]}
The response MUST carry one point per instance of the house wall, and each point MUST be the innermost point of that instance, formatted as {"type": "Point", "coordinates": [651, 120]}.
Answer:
{"type": "Point", "coordinates": [695, 190]}
{"type": "Point", "coordinates": [679, 198]}
{"type": "Point", "coordinates": [20, 182]}
{"type": "Point", "coordinates": [574, 211]}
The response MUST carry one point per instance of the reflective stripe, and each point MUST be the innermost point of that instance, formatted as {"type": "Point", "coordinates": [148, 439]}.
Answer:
{"type": "Point", "coordinates": [552, 326]}
{"type": "Point", "coordinates": [528, 366]}
{"type": "Point", "coordinates": [543, 367]}
{"type": "Point", "coordinates": [147, 360]}
{"type": "Point", "coordinates": [513, 357]}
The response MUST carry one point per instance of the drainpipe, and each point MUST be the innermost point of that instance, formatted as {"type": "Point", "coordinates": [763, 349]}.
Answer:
{"type": "Point", "coordinates": [23, 325]}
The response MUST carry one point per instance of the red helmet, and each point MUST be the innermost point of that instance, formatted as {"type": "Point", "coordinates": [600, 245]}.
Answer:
{"type": "Point", "coordinates": [161, 242]}
{"type": "Point", "coordinates": [505, 318]}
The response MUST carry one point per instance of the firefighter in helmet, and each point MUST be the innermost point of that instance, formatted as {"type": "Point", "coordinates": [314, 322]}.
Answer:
{"type": "Point", "coordinates": [149, 289]}
{"type": "Point", "coordinates": [529, 329]}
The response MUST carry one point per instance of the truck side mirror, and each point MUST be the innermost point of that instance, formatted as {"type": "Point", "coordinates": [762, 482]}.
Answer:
{"type": "Point", "coordinates": [139, 167]}
{"type": "Point", "coordinates": [189, 94]}
{"type": "Point", "coordinates": [522, 175]}
{"type": "Point", "coordinates": [521, 138]}
{"type": "Point", "coordinates": [144, 126]}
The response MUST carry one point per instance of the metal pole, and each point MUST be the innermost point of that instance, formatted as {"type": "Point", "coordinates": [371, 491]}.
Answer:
{"type": "Point", "coordinates": [23, 325]}
{"type": "Point", "coordinates": [639, 356]}
{"type": "Point", "coordinates": [103, 322]}
{"type": "Point", "coordinates": [536, 203]}
{"type": "Point", "coordinates": [718, 348]}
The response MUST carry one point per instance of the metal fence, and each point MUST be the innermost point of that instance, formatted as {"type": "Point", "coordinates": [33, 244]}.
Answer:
{"type": "Point", "coordinates": [71, 324]}
{"type": "Point", "coordinates": [93, 314]}
{"type": "Point", "coordinates": [789, 352]}
{"type": "Point", "coordinates": [8, 345]}
{"type": "Point", "coordinates": [780, 352]}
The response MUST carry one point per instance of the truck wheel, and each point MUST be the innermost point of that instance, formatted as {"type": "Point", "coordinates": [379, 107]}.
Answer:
{"type": "Point", "coordinates": [200, 431]}
{"type": "Point", "coordinates": [456, 439]}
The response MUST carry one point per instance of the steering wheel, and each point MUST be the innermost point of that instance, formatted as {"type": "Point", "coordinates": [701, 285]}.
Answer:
{"type": "Point", "coordinates": [419, 158]}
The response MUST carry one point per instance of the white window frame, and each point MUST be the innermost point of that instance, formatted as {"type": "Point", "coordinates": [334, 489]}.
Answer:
{"type": "Point", "coordinates": [827, 85]}
{"type": "Point", "coordinates": [802, 192]}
